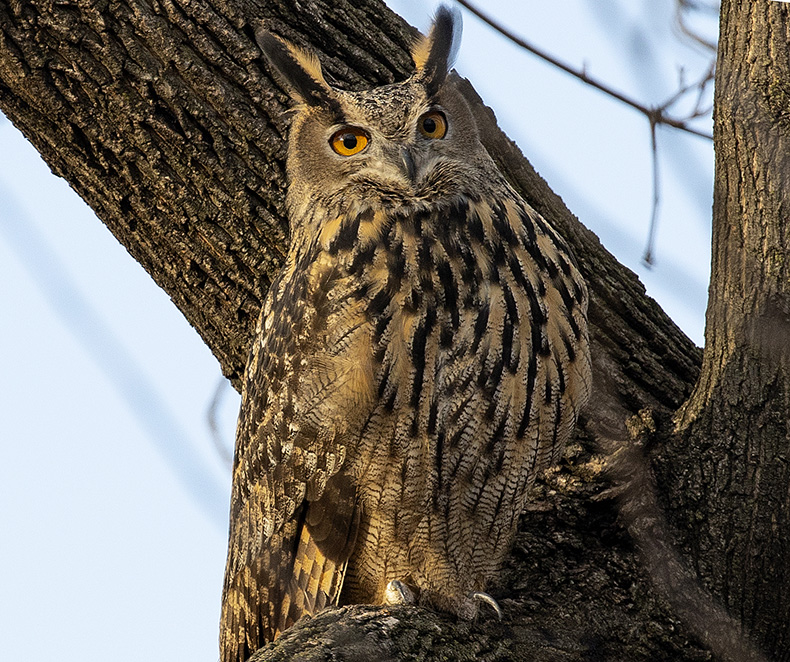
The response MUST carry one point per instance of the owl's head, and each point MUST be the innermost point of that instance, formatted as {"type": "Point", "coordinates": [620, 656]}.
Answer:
{"type": "Point", "coordinates": [411, 143]}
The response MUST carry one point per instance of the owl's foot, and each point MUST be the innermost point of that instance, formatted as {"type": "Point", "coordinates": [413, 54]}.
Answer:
{"type": "Point", "coordinates": [397, 593]}
{"type": "Point", "coordinates": [479, 596]}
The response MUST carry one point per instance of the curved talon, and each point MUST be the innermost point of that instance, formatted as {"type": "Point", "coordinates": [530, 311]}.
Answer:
{"type": "Point", "coordinates": [397, 593]}
{"type": "Point", "coordinates": [484, 597]}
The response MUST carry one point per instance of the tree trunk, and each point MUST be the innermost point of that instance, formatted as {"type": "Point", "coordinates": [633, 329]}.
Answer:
{"type": "Point", "coordinates": [728, 472]}
{"type": "Point", "coordinates": [162, 117]}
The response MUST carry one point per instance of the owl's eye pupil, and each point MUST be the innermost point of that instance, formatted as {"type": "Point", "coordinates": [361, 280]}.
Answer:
{"type": "Point", "coordinates": [429, 125]}
{"type": "Point", "coordinates": [349, 141]}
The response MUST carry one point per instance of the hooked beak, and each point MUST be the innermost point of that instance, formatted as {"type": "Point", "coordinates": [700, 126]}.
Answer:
{"type": "Point", "coordinates": [407, 160]}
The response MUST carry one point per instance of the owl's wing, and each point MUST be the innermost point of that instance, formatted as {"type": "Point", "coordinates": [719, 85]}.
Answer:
{"type": "Point", "coordinates": [298, 570]}
{"type": "Point", "coordinates": [294, 512]}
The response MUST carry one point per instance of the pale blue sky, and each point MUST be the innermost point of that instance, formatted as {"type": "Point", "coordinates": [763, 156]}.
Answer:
{"type": "Point", "coordinates": [113, 501]}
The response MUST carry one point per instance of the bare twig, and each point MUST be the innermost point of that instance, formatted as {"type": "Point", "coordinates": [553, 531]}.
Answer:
{"type": "Point", "coordinates": [211, 418]}
{"type": "Point", "coordinates": [682, 8]}
{"type": "Point", "coordinates": [656, 115]}
{"type": "Point", "coordinates": [698, 111]}
{"type": "Point", "coordinates": [647, 258]}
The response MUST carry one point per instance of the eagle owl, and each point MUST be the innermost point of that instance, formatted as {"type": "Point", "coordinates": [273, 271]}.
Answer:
{"type": "Point", "coordinates": [421, 356]}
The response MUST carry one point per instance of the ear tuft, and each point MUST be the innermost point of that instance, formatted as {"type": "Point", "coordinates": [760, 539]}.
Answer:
{"type": "Point", "coordinates": [433, 54]}
{"type": "Point", "coordinates": [297, 68]}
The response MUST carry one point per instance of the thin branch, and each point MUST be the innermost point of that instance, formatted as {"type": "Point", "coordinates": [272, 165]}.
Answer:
{"type": "Point", "coordinates": [682, 9]}
{"type": "Point", "coordinates": [683, 90]}
{"type": "Point", "coordinates": [211, 418]}
{"type": "Point", "coordinates": [657, 115]}
{"type": "Point", "coordinates": [647, 258]}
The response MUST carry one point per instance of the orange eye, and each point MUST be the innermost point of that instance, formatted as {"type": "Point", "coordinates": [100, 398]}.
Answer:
{"type": "Point", "coordinates": [433, 125]}
{"type": "Point", "coordinates": [349, 141]}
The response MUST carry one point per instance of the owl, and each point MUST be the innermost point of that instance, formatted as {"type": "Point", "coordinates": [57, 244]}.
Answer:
{"type": "Point", "coordinates": [421, 356]}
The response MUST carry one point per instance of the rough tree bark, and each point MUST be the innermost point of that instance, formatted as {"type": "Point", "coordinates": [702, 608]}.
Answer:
{"type": "Point", "coordinates": [162, 117]}
{"type": "Point", "coordinates": [727, 472]}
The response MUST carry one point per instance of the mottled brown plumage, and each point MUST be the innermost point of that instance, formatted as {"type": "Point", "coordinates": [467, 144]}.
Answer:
{"type": "Point", "coordinates": [420, 358]}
